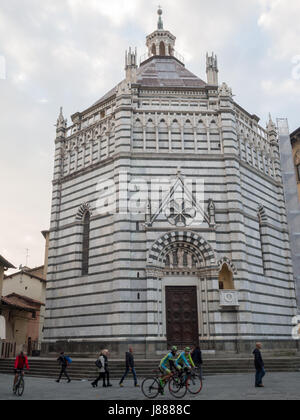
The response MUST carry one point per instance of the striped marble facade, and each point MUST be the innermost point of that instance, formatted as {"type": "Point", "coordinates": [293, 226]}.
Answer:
{"type": "Point", "coordinates": [148, 132]}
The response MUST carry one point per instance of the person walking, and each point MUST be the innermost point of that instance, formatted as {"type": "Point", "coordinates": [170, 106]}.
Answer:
{"type": "Point", "coordinates": [102, 364]}
{"type": "Point", "coordinates": [259, 366]}
{"type": "Point", "coordinates": [197, 359]}
{"type": "Point", "coordinates": [63, 361]}
{"type": "Point", "coordinates": [129, 361]}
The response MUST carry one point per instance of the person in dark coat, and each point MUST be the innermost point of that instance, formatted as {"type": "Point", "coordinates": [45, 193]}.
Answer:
{"type": "Point", "coordinates": [64, 365]}
{"type": "Point", "coordinates": [259, 366]}
{"type": "Point", "coordinates": [129, 367]}
{"type": "Point", "coordinates": [197, 359]}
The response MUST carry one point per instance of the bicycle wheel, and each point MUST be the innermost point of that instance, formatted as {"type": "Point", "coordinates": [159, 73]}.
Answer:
{"type": "Point", "coordinates": [177, 387]}
{"type": "Point", "coordinates": [21, 387]}
{"type": "Point", "coordinates": [194, 384]}
{"type": "Point", "coordinates": [151, 388]}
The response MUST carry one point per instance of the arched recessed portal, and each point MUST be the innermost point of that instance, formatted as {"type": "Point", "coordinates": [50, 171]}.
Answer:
{"type": "Point", "coordinates": [153, 49]}
{"type": "Point", "coordinates": [182, 265]}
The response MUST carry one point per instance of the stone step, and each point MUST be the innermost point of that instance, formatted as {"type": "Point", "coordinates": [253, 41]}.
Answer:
{"type": "Point", "coordinates": [86, 369]}
{"type": "Point", "coordinates": [154, 365]}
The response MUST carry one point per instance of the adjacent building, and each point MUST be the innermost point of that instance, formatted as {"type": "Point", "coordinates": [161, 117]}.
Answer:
{"type": "Point", "coordinates": [28, 287]}
{"type": "Point", "coordinates": [164, 264]}
{"type": "Point", "coordinates": [23, 309]}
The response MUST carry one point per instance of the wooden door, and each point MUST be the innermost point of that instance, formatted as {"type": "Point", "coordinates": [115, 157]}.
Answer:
{"type": "Point", "coordinates": [182, 316]}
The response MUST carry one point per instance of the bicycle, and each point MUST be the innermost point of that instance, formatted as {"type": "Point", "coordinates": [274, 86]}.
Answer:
{"type": "Point", "coordinates": [18, 388]}
{"type": "Point", "coordinates": [195, 383]}
{"type": "Point", "coordinates": [151, 387]}
{"type": "Point", "coordinates": [187, 380]}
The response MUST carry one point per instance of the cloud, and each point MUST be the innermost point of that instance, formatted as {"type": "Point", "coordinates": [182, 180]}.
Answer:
{"type": "Point", "coordinates": [287, 87]}
{"type": "Point", "coordinates": [117, 11]}
{"type": "Point", "coordinates": [71, 52]}
{"type": "Point", "coordinates": [280, 21]}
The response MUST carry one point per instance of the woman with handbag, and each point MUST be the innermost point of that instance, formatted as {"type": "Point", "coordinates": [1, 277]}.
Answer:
{"type": "Point", "coordinates": [102, 365]}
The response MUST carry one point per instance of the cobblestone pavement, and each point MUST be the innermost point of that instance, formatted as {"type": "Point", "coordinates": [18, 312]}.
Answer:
{"type": "Point", "coordinates": [281, 386]}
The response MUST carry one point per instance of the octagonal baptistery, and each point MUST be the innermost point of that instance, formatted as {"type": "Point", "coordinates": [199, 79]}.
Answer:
{"type": "Point", "coordinates": [165, 264]}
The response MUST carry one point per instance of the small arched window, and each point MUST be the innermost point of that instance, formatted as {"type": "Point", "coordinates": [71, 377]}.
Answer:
{"type": "Point", "coordinates": [226, 279]}
{"type": "Point", "coordinates": [162, 49]}
{"type": "Point", "coordinates": [153, 49]}
{"type": "Point", "coordinates": [86, 244]}
{"type": "Point", "coordinates": [262, 219]}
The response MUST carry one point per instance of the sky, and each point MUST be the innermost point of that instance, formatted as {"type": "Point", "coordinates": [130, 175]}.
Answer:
{"type": "Point", "coordinates": [71, 52]}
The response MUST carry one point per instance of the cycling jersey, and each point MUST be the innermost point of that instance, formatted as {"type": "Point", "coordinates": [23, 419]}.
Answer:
{"type": "Point", "coordinates": [165, 362]}
{"type": "Point", "coordinates": [183, 361]}
{"type": "Point", "coordinates": [21, 362]}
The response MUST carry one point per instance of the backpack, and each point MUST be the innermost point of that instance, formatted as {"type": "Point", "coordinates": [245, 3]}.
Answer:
{"type": "Point", "coordinates": [68, 359]}
{"type": "Point", "coordinates": [98, 363]}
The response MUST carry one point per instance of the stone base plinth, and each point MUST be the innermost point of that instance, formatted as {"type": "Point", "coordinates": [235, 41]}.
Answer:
{"type": "Point", "coordinates": [155, 349]}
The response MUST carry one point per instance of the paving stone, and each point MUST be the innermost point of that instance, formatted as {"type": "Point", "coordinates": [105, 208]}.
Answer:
{"type": "Point", "coordinates": [278, 386]}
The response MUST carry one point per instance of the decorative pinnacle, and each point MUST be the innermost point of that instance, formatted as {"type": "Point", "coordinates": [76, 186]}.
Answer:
{"type": "Point", "coordinates": [131, 58]}
{"type": "Point", "coordinates": [271, 127]}
{"type": "Point", "coordinates": [61, 122]}
{"type": "Point", "coordinates": [160, 24]}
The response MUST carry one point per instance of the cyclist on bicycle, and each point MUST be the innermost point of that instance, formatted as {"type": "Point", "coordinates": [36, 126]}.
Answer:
{"type": "Point", "coordinates": [20, 363]}
{"type": "Point", "coordinates": [185, 361]}
{"type": "Point", "coordinates": [166, 366]}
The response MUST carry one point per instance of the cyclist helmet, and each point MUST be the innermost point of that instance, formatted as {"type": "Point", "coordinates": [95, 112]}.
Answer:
{"type": "Point", "coordinates": [174, 349]}
{"type": "Point", "coordinates": [187, 349]}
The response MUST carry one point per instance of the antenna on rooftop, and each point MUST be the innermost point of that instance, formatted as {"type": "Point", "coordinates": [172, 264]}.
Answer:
{"type": "Point", "coordinates": [27, 257]}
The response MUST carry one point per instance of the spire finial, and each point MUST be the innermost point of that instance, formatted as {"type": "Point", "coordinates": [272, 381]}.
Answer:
{"type": "Point", "coordinates": [160, 24]}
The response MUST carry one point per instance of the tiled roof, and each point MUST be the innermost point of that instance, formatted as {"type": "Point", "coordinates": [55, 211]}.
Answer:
{"type": "Point", "coordinates": [28, 272]}
{"type": "Point", "coordinates": [167, 72]}
{"type": "Point", "coordinates": [296, 133]}
{"type": "Point", "coordinates": [162, 72]}
{"type": "Point", "coordinates": [21, 302]}
{"type": "Point", "coordinates": [5, 263]}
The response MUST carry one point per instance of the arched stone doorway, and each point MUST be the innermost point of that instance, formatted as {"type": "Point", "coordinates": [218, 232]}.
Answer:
{"type": "Point", "coordinates": [182, 266]}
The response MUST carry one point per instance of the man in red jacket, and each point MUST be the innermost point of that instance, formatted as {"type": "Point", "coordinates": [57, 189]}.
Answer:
{"type": "Point", "coordinates": [20, 363]}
